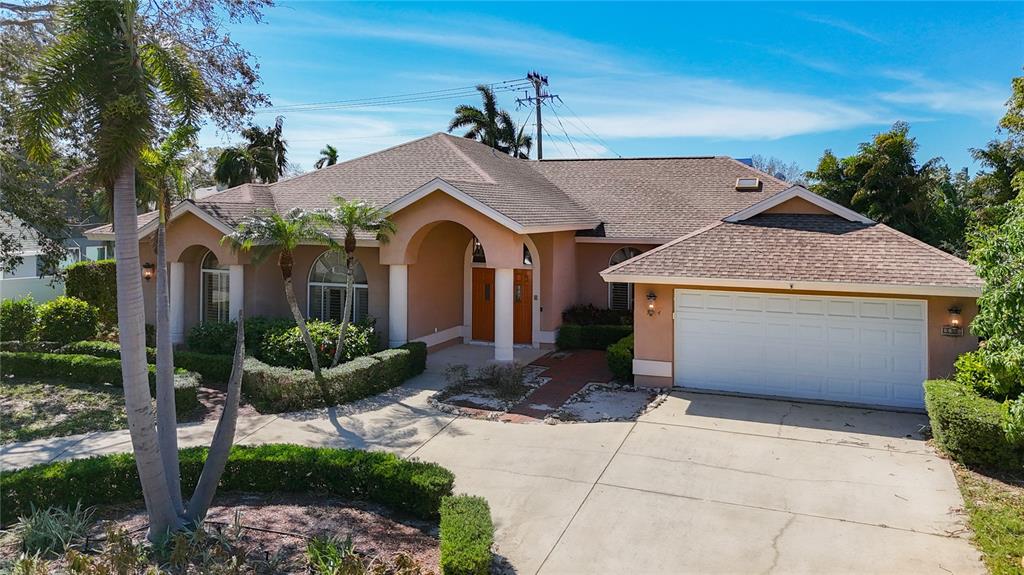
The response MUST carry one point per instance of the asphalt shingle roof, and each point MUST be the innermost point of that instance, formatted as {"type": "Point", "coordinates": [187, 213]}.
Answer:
{"type": "Point", "coordinates": [802, 247]}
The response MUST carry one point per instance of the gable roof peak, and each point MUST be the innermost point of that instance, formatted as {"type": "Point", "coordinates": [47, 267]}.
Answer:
{"type": "Point", "coordinates": [798, 191]}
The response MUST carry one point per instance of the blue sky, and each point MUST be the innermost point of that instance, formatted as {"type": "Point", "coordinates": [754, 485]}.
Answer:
{"type": "Point", "coordinates": [785, 80]}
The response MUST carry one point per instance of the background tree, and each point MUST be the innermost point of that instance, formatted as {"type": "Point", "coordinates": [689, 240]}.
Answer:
{"type": "Point", "coordinates": [262, 159]}
{"type": "Point", "coordinates": [328, 157]}
{"type": "Point", "coordinates": [491, 125]}
{"type": "Point", "coordinates": [353, 217]}
{"type": "Point", "coordinates": [773, 166]}
{"type": "Point", "coordinates": [1002, 174]}
{"type": "Point", "coordinates": [267, 233]}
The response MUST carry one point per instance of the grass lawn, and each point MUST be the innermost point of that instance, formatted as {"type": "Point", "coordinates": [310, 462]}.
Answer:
{"type": "Point", "coordinates": [35, 409]}
{"type": "Point", "coordinates": [996, 511]}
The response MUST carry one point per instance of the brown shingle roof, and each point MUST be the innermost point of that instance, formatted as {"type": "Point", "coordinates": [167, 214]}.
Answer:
{"type": "Point", "coordinates": [657, 197]}
{"type": "Point", "coordinates": [802, 247]}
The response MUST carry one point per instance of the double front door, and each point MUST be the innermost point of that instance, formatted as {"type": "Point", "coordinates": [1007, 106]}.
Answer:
{"type": "Point", "coordinates": [483, 305]}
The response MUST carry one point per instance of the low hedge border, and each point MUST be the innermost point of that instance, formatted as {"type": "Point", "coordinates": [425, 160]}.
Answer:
{"type": "Point", "coordinates": [620, 358]}
{"type": "Point", "coordinates": [969, 427]}
{"type": "Point", "coordinates": [414, 487]}
{"type": "Point", "coordinates": [36, 346]}
{"type": "Point", "coordinates": [467, 534]}
{"type": "Point", "coordinates": [572, 336]}
{"type": "Point", "coordinates": [211, 367]}
{"type": "Point", "coordinates": [89, 369]}
{"type": "Point", "coordinates": [278, 389]}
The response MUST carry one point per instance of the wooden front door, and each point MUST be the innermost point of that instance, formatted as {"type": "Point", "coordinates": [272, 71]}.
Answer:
{"type": "Point", "coordinates": [483, 304]}
{"type": "Point", "coordinates": [522, 307]}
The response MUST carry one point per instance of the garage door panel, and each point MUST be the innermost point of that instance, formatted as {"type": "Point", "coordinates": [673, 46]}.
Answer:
{"type": "Point", "coordinates": [850, 350]}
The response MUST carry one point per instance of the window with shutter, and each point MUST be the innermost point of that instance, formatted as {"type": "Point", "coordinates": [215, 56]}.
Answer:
{"type": "Point", "coordinates": [214, 290]}
{"type": "Point", "coordinates": [620, 295]}
{"type": "Point", "coordinates": [327, 284]}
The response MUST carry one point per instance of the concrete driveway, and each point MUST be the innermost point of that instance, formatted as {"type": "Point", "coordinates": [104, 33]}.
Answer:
{"type": "Point", "coordinates": [702, 484]}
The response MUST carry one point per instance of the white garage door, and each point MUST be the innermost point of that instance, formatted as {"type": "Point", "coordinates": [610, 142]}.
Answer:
{"type": "Point", "coordinates": [848, 350]}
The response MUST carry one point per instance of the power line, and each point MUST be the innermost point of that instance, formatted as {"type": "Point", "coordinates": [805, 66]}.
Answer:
{"type": "Point", "coordinates": [588, 128]}
{"type": "Point", "coordinates": [411, 97]}
{"type": "Point", "coordinates": [560, 125]}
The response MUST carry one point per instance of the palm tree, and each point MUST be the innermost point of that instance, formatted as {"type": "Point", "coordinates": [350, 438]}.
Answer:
{"type": "Point", "coordinates": [267, 232]}
{"type": "Point", "coordinates": [491, 125]}
{"type": "Point", "coordinates": [518, 142]}
{"type": "Point", "coordinates": [328, 157]}
{"type": "Point", "coordinates": [164, 179]}
{"type": "Point", "coordinates": [355, 216]}
{"type": "Point", "coordinates": [100, 59]}
{"type": "Point", "coordinates": [262, 159]}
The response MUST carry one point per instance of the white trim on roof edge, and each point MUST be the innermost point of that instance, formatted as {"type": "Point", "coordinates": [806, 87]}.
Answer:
{"type": "Point", "coordinates": [441, 185]}
{"type": "Point", "coordinates": [185, 206]}
{"type": "Point", "coordinates": [623, 240]}
{"type": "Point", "coordinates": [894, 289]}
{"type": "Point", "coordinates": [804, 194]}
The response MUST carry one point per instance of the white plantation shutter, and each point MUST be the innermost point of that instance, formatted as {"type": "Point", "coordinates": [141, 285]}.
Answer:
{"type": "Point", "coordinates": [215, 296]}
{"type": "Point", "coordinates": [620, 296]}
{"type": "Point", "coordinates": [361, 309]}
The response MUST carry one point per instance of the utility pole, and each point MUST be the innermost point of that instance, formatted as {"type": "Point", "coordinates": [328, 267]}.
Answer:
{"type": "Point", "coordinates": [537, 99]}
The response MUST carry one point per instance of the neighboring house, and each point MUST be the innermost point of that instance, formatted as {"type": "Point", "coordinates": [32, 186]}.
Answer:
{"type": "Point", "coordinates": [738, 281]}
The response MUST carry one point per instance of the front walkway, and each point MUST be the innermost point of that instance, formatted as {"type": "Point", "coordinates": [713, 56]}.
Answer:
{"type": "Point", "coordinates": [703, 483]}
{"type": "Point", "coordinates": [568, 372]}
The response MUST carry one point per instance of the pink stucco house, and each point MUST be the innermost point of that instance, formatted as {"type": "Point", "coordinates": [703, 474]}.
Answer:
{"type": "Point", "coordinates": [739, 282]}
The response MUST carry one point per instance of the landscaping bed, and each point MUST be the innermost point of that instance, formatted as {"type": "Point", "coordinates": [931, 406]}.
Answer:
{"type": "Point", "coordinates": [489, 392]}
{"type": "Point", "coordinates": [608, 402]}
{"type": "Point", "coordinates": [37, 409]}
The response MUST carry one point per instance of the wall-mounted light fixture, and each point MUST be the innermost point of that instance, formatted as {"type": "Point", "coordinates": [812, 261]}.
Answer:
{"type": "Point", "coordinates": [955, 326]}
{"type": "Point", "coordinates": [651, 298]}
{"type": "Point", "coordinates": [147, 271]}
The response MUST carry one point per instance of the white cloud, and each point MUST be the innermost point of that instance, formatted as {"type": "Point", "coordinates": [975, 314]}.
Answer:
{"type": "Point", "coordinates": [982, 100]}
{"type": "Point", "coordinates": [844, 26]}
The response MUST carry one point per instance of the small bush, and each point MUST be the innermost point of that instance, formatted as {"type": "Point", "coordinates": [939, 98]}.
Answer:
{"type": "Point", "coordinates": [67, 319]}
{"type": "Point", "coordinates": [1013, 420]}
{"type": "Point", "coordinates": [89, 369]}
{"type": "Point", "coordinates": [95, 282]}
{"type": "Point", "coordinates": [620, 358]}
{"type": "Point", "coordinates": [969, 427]}
{"type": "Point", "coordinates": [52, 530]}
{"type": "Point", "coordinates": [572, 336]}
{"type": "Point", "coordinates": [467, 534]}
{"type": "Point", "coordinates": [411, 486]}
{"type": "Point", "coordinates": [506, 379]}
{"type": "Point", "coordinates": [257, 328]}
{"type": "Point", "coordinates": [590, 315]}
{"type": "Point", "coordinates": [17, 319]}
{"type": "Point", "coordinates": [287, 348]}
{"type": "Point", "coordinates": [212, 337]}
{"type": "Point", "coordinates": [331, 555]}
{"type": "Point", "coordinates": [417, 357]}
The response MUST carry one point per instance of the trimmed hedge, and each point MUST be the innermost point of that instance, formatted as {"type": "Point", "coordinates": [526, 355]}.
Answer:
{"type": "Point", "coordinates": [96, 283]}
{"type": "Point", "coordinates": [17, 319]}
{"type": "Point", "coordinates": [211, 367]}
{"type": "Point", "coordinates": [67, 319]}
{"type": "Point", "coordinates": [573, 336]}
{"type": "Point", "coordinates": [467, 534]}
{"type": "Point", "coordinates": [90, 369]}
{"type": "Point", "coordinates": [969, 427]}
{"type": "Point", "coordinates": [417, 358]}
{"type": "Point", "coordinates": [620, 358]}
{"type": "Point", "coordinates": [277, 389]}
{"type": "Point", "coordinates": [38, 346]}
{"type": "Point", "coordinates": [412, 486]}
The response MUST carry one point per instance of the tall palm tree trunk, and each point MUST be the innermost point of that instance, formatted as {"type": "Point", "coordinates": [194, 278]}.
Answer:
{"type": "Point", "coordinates": [131, 324]}
{"type": "Point", "coordinates": [223, 436]}
{"type": "Point", "coordinates": [285, 261]}
{"type": "Point", "coordinates": [166, 416]}
{"type": "Point", "coordinates": [346, 311]}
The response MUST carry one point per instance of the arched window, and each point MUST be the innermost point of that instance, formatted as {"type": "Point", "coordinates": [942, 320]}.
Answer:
{"type": "Point", "coordinates": [620, 295]}
{"type": "Point", "coordinates": [328, 279]}
{"type": "Point", "coordinates": [214, 278]}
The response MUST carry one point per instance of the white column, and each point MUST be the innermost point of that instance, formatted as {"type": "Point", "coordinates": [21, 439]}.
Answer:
{"type": "Point", "coordinates": [503, 316]}
{"type": "Point", "coordinates": [398, 304]}
{"type": "Point", "coordinates": [236, 291]}
{"type": "Point", "coordinates": [177, 301]}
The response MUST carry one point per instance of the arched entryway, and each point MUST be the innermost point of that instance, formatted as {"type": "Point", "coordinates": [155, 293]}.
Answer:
{"type": "Point", "coordinates": [478, 303]}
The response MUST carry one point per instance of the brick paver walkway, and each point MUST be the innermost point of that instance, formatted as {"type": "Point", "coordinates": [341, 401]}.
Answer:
{"type": "Point", "coordinates": [568, 372]}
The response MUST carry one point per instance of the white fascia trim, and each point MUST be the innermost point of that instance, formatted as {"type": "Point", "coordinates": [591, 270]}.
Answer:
{"type": "Point", "coordinates": [804, 194]}
{"type": "Point", "coordinates": [601, 240]}
{"type": "Point", "coordinates": [652, 367]}
{"type": "Point", "coordinates": [894, 289]}
{"type": "Point", "coordinates": [440, 185]}
{"type": "Point", "coordinates": [178, 210]}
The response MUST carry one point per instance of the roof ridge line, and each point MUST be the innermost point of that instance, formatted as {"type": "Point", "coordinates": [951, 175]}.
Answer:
{"type": "Point", "coordinates": [764, 173]}
{"type": "Point", "coordinates": [476, 168]}
{"type": "Point", "coordinates": [911, 239]}
{"type": "Point", "coordinates": [664, 246]}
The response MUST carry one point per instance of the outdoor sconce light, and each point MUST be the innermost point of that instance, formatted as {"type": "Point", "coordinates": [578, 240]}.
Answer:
{"type": "Point", "coordinates": [651, 298]}
{"type": "Point", "coordinates": [147, 271]}
{"type": "Point", "coordinates": [954, 328]}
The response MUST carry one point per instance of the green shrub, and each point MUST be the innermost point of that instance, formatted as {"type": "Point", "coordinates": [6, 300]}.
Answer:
{"type": "Point", "coordinates": [590, 315]}
{"type": "Point", "coordinates": [89, 369]}
{"type": "Point", "coordinates": [287, 348]}
{"type": "Point", "coordinates": [212, 337]}
{"type": "Point", "coordinates": [210, 367]}
{"type": "Point", "coordinates": [17, 319]}
{"type": "Point", "coordinates": [620, 358]}
{"type": "Point", "coordinates": [467, 534]}
{"type": "Point", "coordinates": [417, 358]}
{"type": "Point", "coordinates": [52, 530]}
{"type": "Point", "coordinates": [67, 319]}
{"type": "Point", "coordinates": [969, 427]}
{"type": "Point", "coordinates": [1013, 420]}
{"type": "Point", "coordinates": [572, 336]}
{"type": "Point", "coordinates": [410, 486]}
{"type": "Point", "coordinates": [95, 282]}
{"type": "Point", "coordinates": [257, 328]}
{"type": "Point", "coordinates": [36, 346]}
{"type": "Point", "coordinates": [273, 389]}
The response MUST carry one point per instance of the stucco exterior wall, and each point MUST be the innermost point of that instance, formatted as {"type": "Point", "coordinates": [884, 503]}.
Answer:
{"type": "Point", "coordinates": [591, 260]}
{"type": "Point", "coordinates": [797, 206]}
{"type": "Point", "coordinates": [654, 335]}
{"type": "Point", "coordinates": [436, 281]}
{"type": "Point", "coordinates": [558, 276]}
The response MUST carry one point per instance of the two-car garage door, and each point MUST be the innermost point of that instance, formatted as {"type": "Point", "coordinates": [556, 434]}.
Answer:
{"type": "Point", "coordinates": [850, 350]}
